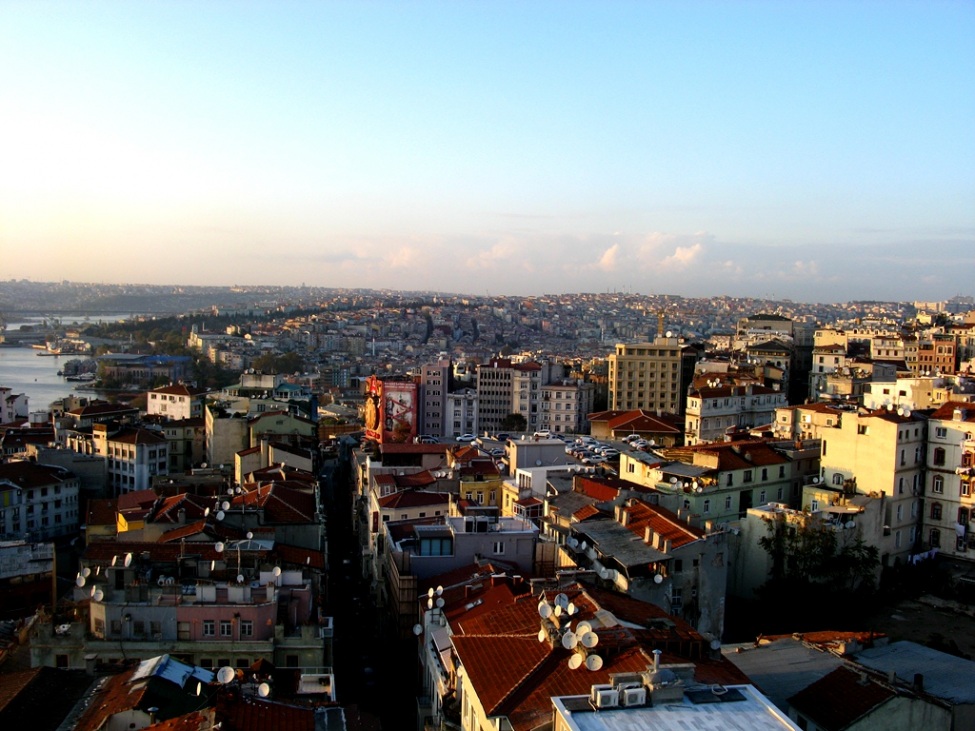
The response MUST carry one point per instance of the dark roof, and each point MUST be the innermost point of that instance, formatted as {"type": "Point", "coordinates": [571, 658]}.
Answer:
{"type": "Point", "coordinates": [40, 699]}
{"type": "Point", "coordinates": [840, 698]}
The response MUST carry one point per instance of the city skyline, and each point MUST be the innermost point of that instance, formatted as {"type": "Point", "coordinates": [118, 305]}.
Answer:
{"type": "Point", "coordinates": [814, 152]}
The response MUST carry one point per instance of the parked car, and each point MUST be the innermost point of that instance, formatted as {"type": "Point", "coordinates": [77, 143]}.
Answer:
{"type": "Point", "coordinates": [611, 453]}
{"type": "Point", "coordinates": [465, 437]}
{"type": "Point", "coordinates": [502, 437]}
{"type": "Point", "coordinates": [594, 459]}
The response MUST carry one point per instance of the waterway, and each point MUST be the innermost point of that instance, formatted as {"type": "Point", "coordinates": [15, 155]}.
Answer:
{"type": "Point", "coordinates": [22, 370]}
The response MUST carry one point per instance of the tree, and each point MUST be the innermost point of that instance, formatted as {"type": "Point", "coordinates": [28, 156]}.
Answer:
{"type": "Point", "coordinates": [514, 422]}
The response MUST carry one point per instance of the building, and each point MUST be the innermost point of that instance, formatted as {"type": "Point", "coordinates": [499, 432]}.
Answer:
{"type": "Point", "coordinates": [37, 502]}
{"type": "Point", "coordinates": [716, 412]}
{"type": "Point", "coordinates": [652, 376]}
{"type": "Point", "coordinates": [434, 388]}
{"type": "Point", "coordinates": [505, 388]}
{"type": "Point", "coordinates": [882, 452]}
{"type": "Point", "coordinates": [13, 406]}
{"type": "Point", "coordinates": [949, 508]}
{"type": "Point", "coordinates": [566, 406]}
{"type": "Point", "coordinates": [176, 402]}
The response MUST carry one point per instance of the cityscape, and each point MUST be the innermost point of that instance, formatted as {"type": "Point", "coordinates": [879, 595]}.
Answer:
{"type": "Point", "coordinates": [465, 366]}
{"type": "Point", "coordinates": [375, 509]}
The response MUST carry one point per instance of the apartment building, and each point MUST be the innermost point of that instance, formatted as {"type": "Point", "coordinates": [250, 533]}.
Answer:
{"type": "Point", "coordinates": [882, 452]}
{"type": "Point", "coordinates": [565, 407]}
{"type": "Point", "coordinates": [714, 412]}
{"type": "Point", "coordinates": [176, 401]}
{"type": "Point", "coordinates": [652, 376]}
{"type": "Point", "coordinates": [37, 502]}
{"type": "Point", "coordinates": [505, 388]}
{"type": "Point", "coordinates": [434, 388]}
{"type": "Point", "coordinates": [949, 507]}
{"type": "Point", "coordinates": [462, 412]}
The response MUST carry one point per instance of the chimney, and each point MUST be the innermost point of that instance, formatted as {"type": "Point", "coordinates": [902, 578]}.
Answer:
{"type": "Point", "coordinates": [919, 682]}
{"type": "Point", "coordinates": [656, 660]}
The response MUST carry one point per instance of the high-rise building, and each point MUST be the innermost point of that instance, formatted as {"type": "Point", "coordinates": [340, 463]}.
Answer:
{"type": "Point", "coordinates": [652, 376]}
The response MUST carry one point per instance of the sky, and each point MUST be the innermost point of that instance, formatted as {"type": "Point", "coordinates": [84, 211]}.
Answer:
{"type": "Point", "coordinates": [814, 151]}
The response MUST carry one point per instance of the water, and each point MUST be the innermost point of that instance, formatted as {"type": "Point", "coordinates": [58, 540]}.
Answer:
{"type": "Point", "coordinates": [23, 371]}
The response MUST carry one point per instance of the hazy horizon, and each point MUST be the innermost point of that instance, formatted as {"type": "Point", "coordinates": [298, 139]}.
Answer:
{"type": "Point", "coordinates": [818, 152]}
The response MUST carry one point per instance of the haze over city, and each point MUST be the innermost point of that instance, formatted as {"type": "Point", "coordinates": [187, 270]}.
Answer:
{"type": "Point", "coordinates": [814, 151]}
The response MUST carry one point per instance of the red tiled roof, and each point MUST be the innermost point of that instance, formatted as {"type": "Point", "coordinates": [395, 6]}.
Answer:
{"type": "Point", "coordinates": [946, 411]}
{"type": "Point", "coordinates": [281, 504]}
{"type": "Point", "coordinates": [300, 556]}
{"type": "Point", "coordinates": [29, 474]}
{"type": "Point", "coordinates": [586, 511]}
{"type": "Point", "coordinates": [244, 713]}
{"type": "Point", "coordinates": [414, 499]}
{"type": "Point", "coordinates": [101, 512]}
{"type": "Point", "coordinates": [115, 696]}
{"type": "Point", "coordinates": [602, 490]}
{"type": "Point", "coordinates": [661, 521]}
{"type": "Point", "coordinates": [840, 698]}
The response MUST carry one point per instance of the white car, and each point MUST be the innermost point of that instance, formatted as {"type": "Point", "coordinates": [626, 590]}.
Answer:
{"type": "Point", "coordinates": [465, 437]}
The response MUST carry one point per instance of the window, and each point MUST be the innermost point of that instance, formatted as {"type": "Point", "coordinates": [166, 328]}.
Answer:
{"type": "Point", "coordinates": [246, 628]}
{"type": "Point", "coordinates": [727, 502]}
{"type": "Point", "coordinates": [707, 506]}
{"type": "Point", "coordinates": [209, 628]}
{"type": "Point", "coordinates": [762, 498]}
{"type": "Point", "coordinates": [678, 565]}
{"type": "Point", "coordinates": [748, 475]}
{"type": "Point", "coordinates": [938, 484]}
{"type": "Point", "coordinates": [498, 548]}
{"type": "Point", "coordinates": [934, 538]}
{"type": "Point", "coordinates": [941, 432]}
{"type": "Point", "coordinates": [837, 478]}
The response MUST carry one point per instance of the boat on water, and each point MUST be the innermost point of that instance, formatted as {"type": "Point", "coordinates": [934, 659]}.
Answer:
{"type": "Point", "coordinates": [83, 377]}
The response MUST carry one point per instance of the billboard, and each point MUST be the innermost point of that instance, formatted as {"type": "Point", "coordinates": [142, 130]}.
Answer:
{"type": "Point", "coordinates": [391, 410]}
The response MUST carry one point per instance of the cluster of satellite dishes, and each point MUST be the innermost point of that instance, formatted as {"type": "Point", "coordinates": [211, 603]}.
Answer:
{"type": "Point", "coordinates": [687, 485]}
{"type": "Point", "coordinates": [434, 599]}
{"type": "Point", "coordinates": [227, 675]}
{"type": "Point", "coordinates": [582, 640]}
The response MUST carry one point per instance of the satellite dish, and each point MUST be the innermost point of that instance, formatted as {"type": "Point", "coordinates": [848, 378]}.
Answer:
{"type": "Point", "coordinates": [99, 595]}
{"type": "Point", "coordinates": [562, 600]}
{"type": "Point", "coordinates": [571, 609]}
{"type": "Point", "coordinates": [213, 565]}
{"type": "Point", "coordinates": [114, 560]}
{"type": "Point", "coordinates": [429, 603]}
{"type": "Point", "coordinates": [220, 515]}
{"type": "Point", "coordinates": [569, 640]}
{"type": "Point", "coordinates": [240, 578]}
{"type": "Point", "coordinates": [80, 581]}
{"type": "Point", "coordinates": [440, 602]}
{"type": "Point", "coordinates": [264, 690]}
{"type": "Point", "coordinates": [545, 611]}
{"type": "Point", "coordinates": [590, 639]}
{"type": "Point", "coordinates": [160, 581]}
{"type": "Point", "coordinates": [594, 663]}
{"type": "Point", "coordinates": [93, 590]}
{"type": "Point", "coordinates": [574, 662]}
{"type": "Point", "coordinates": [276, 571]}
{"type": "Point", "coordinates": [583, 628]}
{"type": "Point", "coordinates": [439, 590]}
{"type": "Point", "coordinates": [572, 542]}
{"type": "Point", "coordinates": [86, 572]}
{"type": "Point", "coordinates": [170, 581]}
{"type": "Point", "coordinates": [225, 505]}
{"type": "Point", "coordinates": [815, 480]}
{"type": "Point", "coordinates": [218, 547]}
{"type": "Point", "coordinates": [430, 592]}
{"type": "Point", "coordinates": [206, 512]}
{"type": "Point", "coordinates": [658, 578]}
{"type": "Point", "coordinates": [225, 674]}
{"type": "Point", "coordinates": [604, 573]}
{"type": "Point", "coordinates": [199, 687]}
{"type": "Point", "coordinates": [418, 629]}
{"type": "Point", "coordinates": [558, 610]}
{"type": "Point", "coordinates": [715, 644]}
{"type": "Point", "coordinates": [673, 480]}
{"type": "Point", "coordinates": [128, 560]}
{"type": "Point", "coordinates": [541, 635]}
{"type": "Point", "coordinates": [249, 535]}
{"type": "Point", "coordinates": [582, 546]}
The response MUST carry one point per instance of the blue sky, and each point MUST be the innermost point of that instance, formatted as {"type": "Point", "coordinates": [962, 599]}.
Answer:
{"type": "Point", "coordinates": [810, 150]}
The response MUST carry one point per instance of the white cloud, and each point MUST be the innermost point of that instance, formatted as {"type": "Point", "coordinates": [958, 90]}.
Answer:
{"type": "Point", "coordinates": [608, 261]}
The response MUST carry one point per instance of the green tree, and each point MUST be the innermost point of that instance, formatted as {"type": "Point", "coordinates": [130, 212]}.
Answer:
{"type": "Point", "coordinates": [514, 422]}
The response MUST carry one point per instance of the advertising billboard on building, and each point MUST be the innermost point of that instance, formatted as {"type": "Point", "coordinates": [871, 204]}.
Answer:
{"type": "Point", "coordinates": [391, 410]}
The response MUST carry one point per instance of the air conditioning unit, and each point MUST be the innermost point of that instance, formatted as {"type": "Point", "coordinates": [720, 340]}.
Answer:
{"type": "Point", "coordinates": [604, 696]}
{"type": "Point", "coordinates": [634, 696]}
{"type": "Point", "coordinates": [607, 699]}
